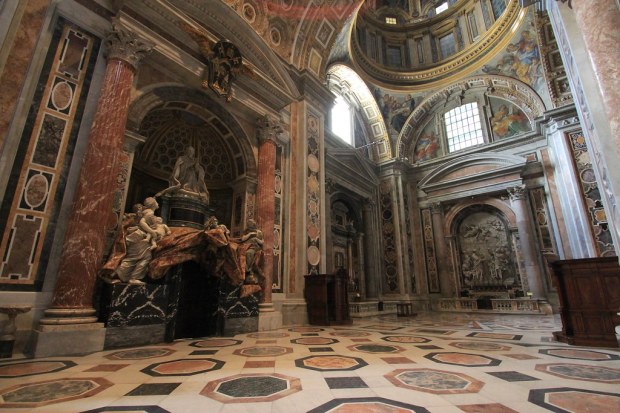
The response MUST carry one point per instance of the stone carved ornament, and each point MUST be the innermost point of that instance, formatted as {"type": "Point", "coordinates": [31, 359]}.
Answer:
{"type": "Point", "coordinates": [224, 62]}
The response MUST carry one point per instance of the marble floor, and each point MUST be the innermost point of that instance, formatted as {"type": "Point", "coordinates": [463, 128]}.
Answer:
{"type": "Point", "coordinates": [428, 363]}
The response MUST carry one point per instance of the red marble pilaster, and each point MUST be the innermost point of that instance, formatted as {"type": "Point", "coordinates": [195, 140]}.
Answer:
{"type": "Point", "coordinates": [268, 130]}
{"type": "Point", "coordinates": [92, 212]}
{"type": "Point", "coordinates": [15, 69]}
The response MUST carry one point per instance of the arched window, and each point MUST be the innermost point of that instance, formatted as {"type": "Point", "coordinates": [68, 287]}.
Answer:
{"type": "Point", "coordinates": [342, 120]}
{"type": "Point", "coordinates": [463, 127]}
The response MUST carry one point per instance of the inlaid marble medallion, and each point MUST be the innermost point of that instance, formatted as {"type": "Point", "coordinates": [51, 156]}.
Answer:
{"type": "Point", "coordinates": [570, 400]}
{"type": "Point", "coordinates": [576, 354]}
{"type": "Point", "coordinates": [480, 346]}
{"type": "Point", "coordinates": [375, 348]}
{"type": "Point", "coordinates": [263, 351]}
{"type": "Point", "coordinates": [314, 341]}
{"type": "Point", "coordinates": [406, 339]}
{"type": "Point", "coordinates": [51, 391]}
{"type": "Point", "coordinates": [463, 359]}
{"type": "Point", "coordinates": [216, 342]}
{"type": "Point", "coordinates": [183, 367]}
{"type": "Point", "coordinates": [140, 353]}
{"type": "Point", "coordinates": [367, 405]}
{"type": "Point", "coordinates": [33, 368]}
{"type": "Point", "coordinates": [251, 388]}
{"type": "Point", "coordinates": [434, 381]}
{"type": "Point", "coordinates": [581, 372]}
{"type": "Point", "coordinates": [330, 363]}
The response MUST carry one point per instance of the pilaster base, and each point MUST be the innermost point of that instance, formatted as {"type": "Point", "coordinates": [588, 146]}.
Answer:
{"type": "Point", "coordinates": [294, 312]}
{"type": "Point", "coordinates": [68, 340]}
{"type": "Point", "coordinates": [269, 320]}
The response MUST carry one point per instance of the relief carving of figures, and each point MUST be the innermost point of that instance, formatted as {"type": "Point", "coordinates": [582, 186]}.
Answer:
{"type": "Point", "coordinates": [485, 251]}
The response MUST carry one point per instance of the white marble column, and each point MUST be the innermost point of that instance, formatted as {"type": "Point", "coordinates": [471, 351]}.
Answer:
{"type": "Point", "coordinates": [518, 200]}
{"type": "Point", "coordinates": [441, 252]}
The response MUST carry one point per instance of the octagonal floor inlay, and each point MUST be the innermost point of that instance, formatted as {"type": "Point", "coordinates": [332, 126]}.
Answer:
{"type": "Point", "coordinates": [306, 329]}
{"type": "Point", "coordinates": [350, 333]}
{"type": "Point", "coordinates": [569, 400]}
{"type": "Point", "coordinates": [268, 335]}
{"type": "Point", "coordinates": [183, 367]}
{"type": "Point", "coordinates": [127, 409]}
{"type": "Point", "coordinates": [463, 359]}
{"type": "Point", "coordinates": [251, 388]}
{"type": "Point", "coordinates": [216, 342]}
{"type": "Point", "coordinates": [569, 353]}
{"type": "Point", "coordinates": [33, 368]}
{"type": "Point", "coordinates": [51, 391]}
{"type": "Point", "coordinates": [263, 351]}
{"type": "Point", "coordinates": [314, 341]}
{"type": "Point", "coordinates": [375, 348]}
{"type": "Point", "coordinates": [330, 363]}
{"type": "Point", "coordinates": [405, 339]}
{"type": "Point", "coordinates": [496, 336]}
{"type": "Point", "coordinates": [367, 405]}
{"type": "Point", "coordinates": [480, 346]}
{"type": "Point", "coordinates": [140, 354]}
{"type": "Point", "coordinates": [581, 372]}
{"type": "Point", "coordinates": [434, 381]}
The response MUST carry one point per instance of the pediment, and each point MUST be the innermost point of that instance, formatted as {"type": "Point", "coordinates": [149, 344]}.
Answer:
{"type": "Point", "coordinates": [348, 168]}
{"type": "Point", "coordinates": [472, 172]}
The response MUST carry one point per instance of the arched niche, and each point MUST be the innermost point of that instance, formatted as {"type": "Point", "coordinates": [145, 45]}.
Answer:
{"type": "Point", "coordinates": [485, 250]}
{"type": "Point", "coordinates": [171, 118]}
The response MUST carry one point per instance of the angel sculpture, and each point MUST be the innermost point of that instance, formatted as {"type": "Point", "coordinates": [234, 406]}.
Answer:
{"type": "Point", "coordinates": [224, 62]}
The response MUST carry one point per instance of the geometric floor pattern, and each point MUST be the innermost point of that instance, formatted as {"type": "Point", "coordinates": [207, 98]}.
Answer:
{"type": "Point", "coordinates": [438, 363]}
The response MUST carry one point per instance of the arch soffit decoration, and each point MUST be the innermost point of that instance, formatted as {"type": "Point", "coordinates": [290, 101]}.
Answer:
{"type": "Point", "coordinates": [451, 219]}
{"type": "Point", "coordinates": [318, 32]}
{"type": "Point", "coordinates": [347, 82]}
{"type": "Point", "coordinates": [200, 104]}
{"type": "Point", "coordinates": [512, 90]}
{"type": "Point", "coordinates": [500, 161]}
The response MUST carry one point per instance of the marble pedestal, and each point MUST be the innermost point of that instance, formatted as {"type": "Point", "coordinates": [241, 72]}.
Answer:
{"type": "Point", "coordinates": [269, 319]}
{"type": "Point", "coordinates": [68, 340]}
{"type": "Point", "coordinates": [185, 210]}
{"type": "Point", "coordinates": [134, 314]}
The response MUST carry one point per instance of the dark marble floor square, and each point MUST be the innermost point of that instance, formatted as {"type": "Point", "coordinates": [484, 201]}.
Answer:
{"type": "Point", "coordinates": [310, 334]}
{"type": "Point", "coordinates": [320, 349]}
{"type": "Point", "coordinates": [153, 389]}
{"type": "Point", "coordinates": [512, 376]}
{"type": "Point", "coordinates": [429, 347]}
{"type": "Point", "coordinates": [251, 364]}
{"type": "Point", "coordinates": [397, 360]}
{"type": "Point", "coordinates": [203, 353]}
{"type": "Point", "coordinates": [107, 367]}
{"type": "Point", "coordinates": [345, 383]}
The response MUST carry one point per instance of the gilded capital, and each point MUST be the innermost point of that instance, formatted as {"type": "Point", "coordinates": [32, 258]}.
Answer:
{"type": "Point", "coordinates": [268, 129]}
{"type": "Point", "coordinates": [516, 193]}
{"type": "Point", "coordinates": [125, 45]}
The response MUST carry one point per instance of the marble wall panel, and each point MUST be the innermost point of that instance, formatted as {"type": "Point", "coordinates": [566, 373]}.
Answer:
{"type": "Point", "coordinates": [37, 181]}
